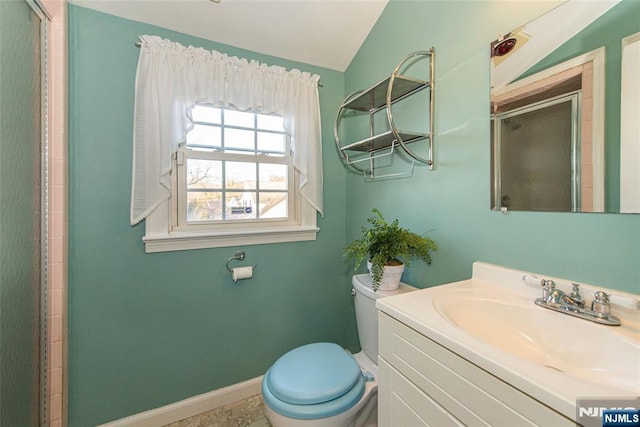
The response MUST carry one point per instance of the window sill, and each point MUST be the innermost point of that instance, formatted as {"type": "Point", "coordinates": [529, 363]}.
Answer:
{"type": "Point", "coordinates": [180, 241]}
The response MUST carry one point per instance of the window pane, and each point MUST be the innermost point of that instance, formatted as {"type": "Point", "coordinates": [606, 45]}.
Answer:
{"type": "Point", "coordinates": [268, 141]}
{"type": "Point", "coordinates": [273, 177]}
{"type": "Point", "coordinates": [240, 205]}
{"type": "Point", "coordinates": [220, 187]}
{"type": "Point", "coordinates": [205, 135]}
{"type": "Point", "coordinates": [204, 206]}
{"type": "Point", "coordinates": [273, 205]}
{"type": "Point", "coordinates": [236, 138]}
{"type": "Point", "coordinates": [241, 175]}
{"type": "Point", "coordinates": [269, 122]}
{"type": "Point", "coordinates": [204, 113]}
{"type": "Point", "coordinates": [204, 173]}
{"type": "Point", "coordinates": [239, 118]}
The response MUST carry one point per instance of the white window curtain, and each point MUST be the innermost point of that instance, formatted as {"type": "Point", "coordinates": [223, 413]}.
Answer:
{"type": "Point", "coordinates": [171, 78]}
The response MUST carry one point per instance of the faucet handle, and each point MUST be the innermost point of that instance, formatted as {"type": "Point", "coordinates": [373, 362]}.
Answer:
{"type": "Point", "coordinates": [600, 303]}
{"type": "Point", "coordinates": [547, 287]}
{"type": "Point", "coordinates": [576, 290]}
{"type": "Point", "coordinates": [574, 297]}
{"type": "Point", "coordinates": [548, 284]}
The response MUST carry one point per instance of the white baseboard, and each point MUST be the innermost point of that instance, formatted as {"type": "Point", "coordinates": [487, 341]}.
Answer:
{"type": "Point", "coordinates": [192, 406]}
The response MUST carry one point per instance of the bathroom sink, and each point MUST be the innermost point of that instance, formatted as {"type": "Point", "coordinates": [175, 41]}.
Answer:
{"type": "Point", "coordinates": [568, 345]}
{"type": "Point", "coordinates": [491, 320]}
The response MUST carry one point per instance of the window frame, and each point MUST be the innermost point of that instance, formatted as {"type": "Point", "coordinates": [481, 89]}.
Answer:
{"type": "Point", "coordinates": [166, 229]}
{"type": "Point", "coordinates": [181, 223]}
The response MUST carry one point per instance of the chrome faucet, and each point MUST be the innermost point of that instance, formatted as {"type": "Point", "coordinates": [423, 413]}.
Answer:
{"type": "Point", "coordinates": [573, 303]}
{"type": "Point", "coordinates": [551, 295]}
{"type": "Point", "coordinates": [574, 298]}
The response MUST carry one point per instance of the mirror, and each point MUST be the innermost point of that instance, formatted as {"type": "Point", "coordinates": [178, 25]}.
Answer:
{"type": "Point", "coordinates": [565, 108]}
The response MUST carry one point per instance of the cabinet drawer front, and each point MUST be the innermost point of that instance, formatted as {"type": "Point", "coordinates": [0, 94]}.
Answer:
{"type": "Point", "coordinates": [475, 396]}
{"type": "Point", "coordinates": [403, 404]}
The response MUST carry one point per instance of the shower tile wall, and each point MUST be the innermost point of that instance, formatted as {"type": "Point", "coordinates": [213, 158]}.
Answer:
{"type": "Point", "coordinates": [58, 223]}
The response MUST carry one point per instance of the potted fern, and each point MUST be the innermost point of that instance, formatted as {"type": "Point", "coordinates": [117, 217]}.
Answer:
{"type": "Point", "coordinates": [388, 247]}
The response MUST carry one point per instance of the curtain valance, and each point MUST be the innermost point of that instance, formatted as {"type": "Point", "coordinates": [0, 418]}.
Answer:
{"type": "Point", "coordinates": [171, 78]}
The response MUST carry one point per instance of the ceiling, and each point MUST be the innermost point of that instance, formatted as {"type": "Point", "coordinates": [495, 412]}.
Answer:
{"type": "Point", "coordinates": [326, 33]}
{"type": "Point", "coordinates": [567, 20]}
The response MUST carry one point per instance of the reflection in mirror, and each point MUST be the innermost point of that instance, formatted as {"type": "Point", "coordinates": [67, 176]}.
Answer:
{"type": "Point", "coordinates": [630, 125]}
{"type": "Point", "coordinates": [534, 155]}
{"type": "Point", "coordinates": [557, 109]}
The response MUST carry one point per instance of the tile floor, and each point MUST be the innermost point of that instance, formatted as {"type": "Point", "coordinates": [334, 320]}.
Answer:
{"type": "Point", "coordinates": [243, 413]}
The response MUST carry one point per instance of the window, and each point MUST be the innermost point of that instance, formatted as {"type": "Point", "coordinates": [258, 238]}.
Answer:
{"type": "Point", "coordinates": [235, 166]}
{"type": "Point", "coordinates": [239, 179]}
{"type": "Point", "coordinates": [235, 178]}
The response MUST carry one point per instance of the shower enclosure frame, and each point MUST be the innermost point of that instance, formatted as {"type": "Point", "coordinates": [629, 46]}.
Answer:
{"type": "Point", "coordinates": [575, 99]}
{"type": "Point", "coordinates": [41, 12]}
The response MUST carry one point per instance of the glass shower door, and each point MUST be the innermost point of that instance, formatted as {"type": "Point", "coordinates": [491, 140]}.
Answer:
{"type": "Point", "coordinates": [538, 167]}
{"type": "Point", "coordinates": [22, 214]}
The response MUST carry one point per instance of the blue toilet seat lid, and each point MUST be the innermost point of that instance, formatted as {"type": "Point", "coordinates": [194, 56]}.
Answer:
{"type": "Point", "coordinates": [314, 373]}
{"type": "Point", "coordinates": [318, 410]}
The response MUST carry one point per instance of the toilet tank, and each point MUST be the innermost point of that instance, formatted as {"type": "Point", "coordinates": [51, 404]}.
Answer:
{"type": "Point", "coordinates": [367, 314]}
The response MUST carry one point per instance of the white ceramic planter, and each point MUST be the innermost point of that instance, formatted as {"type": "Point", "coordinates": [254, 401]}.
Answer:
{"type": "Point", "coordinates": [390, 278]}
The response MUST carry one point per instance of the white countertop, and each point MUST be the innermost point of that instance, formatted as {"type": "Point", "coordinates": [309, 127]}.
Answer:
{"type": "Point", "coordinates": [553, 388]}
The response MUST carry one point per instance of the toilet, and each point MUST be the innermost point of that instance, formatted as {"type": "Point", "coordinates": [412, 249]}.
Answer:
{"type": "Point", "coordinates": [321, 384]}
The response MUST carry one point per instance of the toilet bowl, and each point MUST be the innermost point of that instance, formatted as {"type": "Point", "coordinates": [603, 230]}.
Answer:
{"type": "Point", "coordinates": [321, 384]}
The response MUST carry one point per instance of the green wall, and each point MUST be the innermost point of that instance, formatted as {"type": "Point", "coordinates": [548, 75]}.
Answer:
{"type": "Point", "coordinates": [146, 330]}
{"type": "Point", "coordinates": [607, 31]}
{"type": "Point", "coordinates": [19, 214]}
{"type": "Point", "coordinates": [452, 203]}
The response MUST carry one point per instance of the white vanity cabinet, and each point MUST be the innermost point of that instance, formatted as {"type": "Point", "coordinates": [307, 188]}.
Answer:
{"type": "Point", "coordinates": [422, 383]}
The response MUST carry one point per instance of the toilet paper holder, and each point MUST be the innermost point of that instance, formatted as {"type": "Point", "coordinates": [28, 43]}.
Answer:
{"type": "Point", "coordinates": [240, 255]}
